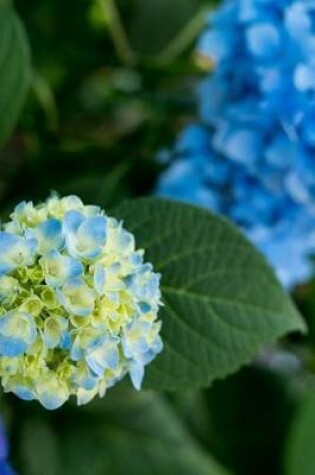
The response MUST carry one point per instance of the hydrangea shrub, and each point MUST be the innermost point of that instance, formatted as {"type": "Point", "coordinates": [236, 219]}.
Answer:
{"type": "Point", "coordinates": [78, 303]}
{"type": "Point", "coordinates": [251, 155]}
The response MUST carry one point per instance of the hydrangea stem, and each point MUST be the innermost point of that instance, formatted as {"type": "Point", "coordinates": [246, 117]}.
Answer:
{"type": "Point", "coordinates": [184, 38]}
{"type": "Point", "coordinates": [117, 31]}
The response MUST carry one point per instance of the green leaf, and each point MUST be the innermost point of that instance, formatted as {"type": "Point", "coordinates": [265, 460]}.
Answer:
{"type": "Point", "coordinates": [127, 433]}
{"type": "Point", "coordinates": [222, 301]}
{"type": "Point", "coordinates": [39, 447]}
{"type": "Point", "coordinates": [141, 32]}
{"type": "Point", "coordinates": [300, 459]}
{"type": "Point", "coordinates": [15, 70]}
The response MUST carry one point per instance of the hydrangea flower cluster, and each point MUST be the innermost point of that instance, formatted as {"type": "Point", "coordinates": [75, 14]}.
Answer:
{"type": "Point", "coordinates": [252, 154]}
{"type": "Point", "coordinates": [78, 305]}
{"type": "Point", "coordinates": [5, 468]}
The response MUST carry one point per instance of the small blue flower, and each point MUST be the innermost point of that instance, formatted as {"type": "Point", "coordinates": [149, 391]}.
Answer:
{"type": "Point", "coordinates": [58, 269]}
{"type": "Point", "coordinates": [85, 237]}
{"type": "Point", "coordinates": [55, 331]}
{"type": "Point", "coordinates": [15, 251]}
{"type": "Point", "coordinates": [84, 378]}
{"type": "Point", "coordinates": [77, 297]}
{"type": "Point", "coordinates": [108, 280]}
{"type": "Point", "coordinates": [99, 279]}
{"type": "Point", "coordinates": [103, 354]}
{"type": "Point", "coordinates": [52, 393]}
{"type": "Point", "coordinates": [17, 333]}
{"type": "Point", "coordinates": [143, 283]}
{"type": "Point", "coordinates": [48, 236]}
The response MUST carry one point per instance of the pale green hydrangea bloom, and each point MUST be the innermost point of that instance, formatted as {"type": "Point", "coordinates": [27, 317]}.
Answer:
{"type": "Point", "coordinates": [78, 306]}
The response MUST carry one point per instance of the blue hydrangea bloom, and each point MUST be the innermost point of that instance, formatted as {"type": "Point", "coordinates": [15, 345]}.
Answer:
{"type": "Point", "coordinates": [5, 468]}
{"type": "Point", "coordinates": [78, 304]}
{"type": "Point", "coordinates": [251, 156]}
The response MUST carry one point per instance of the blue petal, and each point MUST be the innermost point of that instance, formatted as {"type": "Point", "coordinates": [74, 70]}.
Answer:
{"type": "Point", "coordinates": [97, 369]}
{"type": "Point", "coordinates": [71, 222]}
{"type": "Point", "coordinates": [297, 20]}
{"type": "Point", "coordinates": [263, 40]}
{"type": "Point", "coordinates": [64, 267]}
{"type": "Point", "coordinates": [65, 342]}
{"type": "Point", "coordinates": [51, 400]}
{"type": "Point", "coordinates": [136, 372]}
{"type": "Point", "coordinates": [215, 44]}
{"type": "Point", "coordinates": [54, 330]}
{"type": "Point", "coordinates": [23, 392]}
{"type": "Point", "coordinates": [5, 267]}
{"type": "Point", "coordinates": [15, 251]}
{"type": "Point", "coordinates": [99, 278]}
{"type": "Point", "coordinates": [77, 353]}
{"type": "Point", "coordinates": [7, 242]}
{"type": "Point", "coordinates": [17, 333]}
{"type": "Point", "coordinates": [85, 379]}
{"type": "Point", "coordinates": [49, 236]}
{"type": "Point", "coordinates": [304, 77]}
{"type": "Point", "coordinates": [75, 269]}
{"type": "Point", "coordinates": [242, 145]}
{"type": "Point", "coordinates": [93, 230]}
{"type": "Point", "coordinates": [51, 392]}
{"type": "Point", "coordinates": [85, 237]}
{"type": "Point", "coordinates": [102, 354]}
{"type": "Point", "coordinates": [11, 346]}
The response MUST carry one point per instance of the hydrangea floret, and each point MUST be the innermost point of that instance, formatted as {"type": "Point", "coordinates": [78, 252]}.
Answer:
{"type": "Point", "coordinates": [251, 154]}
{"type": "Point", "coordinates": [78, 304]}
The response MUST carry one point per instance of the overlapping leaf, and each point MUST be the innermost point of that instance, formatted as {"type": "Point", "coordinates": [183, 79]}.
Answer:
{"type": "Point", "coordinates": [126, 434]}
{"type": "Point", "coordinates": [222, 301]}
{"type": "Point", "coordinates": [15, 69]}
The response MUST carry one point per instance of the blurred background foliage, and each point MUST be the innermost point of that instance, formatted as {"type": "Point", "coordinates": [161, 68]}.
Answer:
{"type": "Point", "coordinates": [112, 83]}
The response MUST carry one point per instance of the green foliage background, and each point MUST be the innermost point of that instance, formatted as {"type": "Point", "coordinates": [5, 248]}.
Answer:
{"type": "Point", "coordinates": [104, 85]}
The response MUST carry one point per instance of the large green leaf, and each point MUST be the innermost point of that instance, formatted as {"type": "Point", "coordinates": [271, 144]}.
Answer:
{"type": "Point", "coordinates": [15, 69]}
{"type": "Point", "coordinates": [222, 301]}
{"type": "Point", "coordinates": [300, 456]}
{"type": "Point", "coordinates": [126, 434]}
